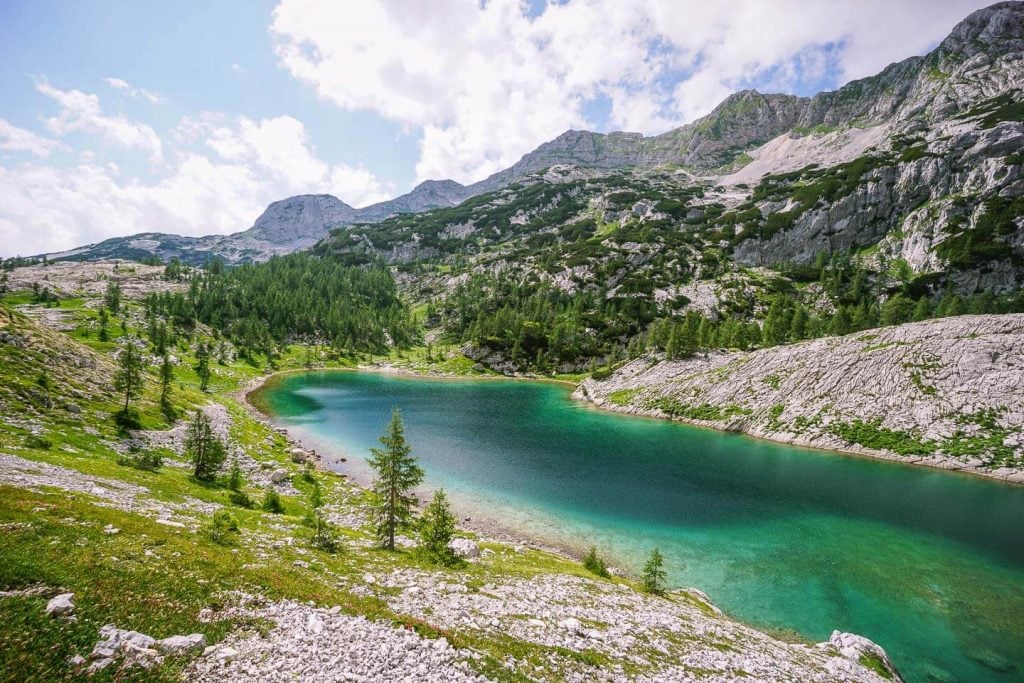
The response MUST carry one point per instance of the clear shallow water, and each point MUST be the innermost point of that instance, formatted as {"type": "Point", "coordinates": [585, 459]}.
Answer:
{"type": "Point", "coordinates": [928, 564]}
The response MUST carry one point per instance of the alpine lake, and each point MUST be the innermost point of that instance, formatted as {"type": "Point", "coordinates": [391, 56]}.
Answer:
{"type": "Point", "coordinates": [798, 542]}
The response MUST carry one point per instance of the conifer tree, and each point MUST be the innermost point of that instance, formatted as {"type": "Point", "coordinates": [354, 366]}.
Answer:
{"type": "Point", "coordinates": [44, 383]}
{"type": "Point", "coordinates": [128, 377]}
{"type": "Point", "coordinates": [437, 529]}
{"type": "Point", "coordinates": [654, 573]}
{"type": "Point", "coordinates": [112, 297]}
{"type": "Point", "coordinates": [203, 448]}
{"type": "Point", "coordinates": [166, 377]}
{"type": "Point", "coordinates": [922, 310]}
{"type": "Point", "coordinates": [104, 321]}
{"type": "Point", "coordinates": [397, 474]}
{"type": "Point", "coordinates": [203, 366]}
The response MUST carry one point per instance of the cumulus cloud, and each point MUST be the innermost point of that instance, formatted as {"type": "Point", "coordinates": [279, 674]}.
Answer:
{"type": "Point", "coordinates": [81, 112]}
{"type": "Point", "coordinates": [14, 139]}
{"type": "Point", "coordinates": [484, 83]}
{"type": "Point", "coordinates": [138, 93]}
{"type": "Point", "coordinates": [219, 184]}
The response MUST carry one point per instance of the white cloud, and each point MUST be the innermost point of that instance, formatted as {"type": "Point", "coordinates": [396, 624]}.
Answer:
{"type": "Point", "coordinates": [14, 139]}
{"type": "Point", "coordinates": [280, 150]}
{"type": "Point", "coordinates": [138, 93]}
{"type": "Point", "coordinates": [483, 83]}
{"type": "Point", "coordinates": [81, 112]}
{"type": "Point", "coordinates": [250, 164]}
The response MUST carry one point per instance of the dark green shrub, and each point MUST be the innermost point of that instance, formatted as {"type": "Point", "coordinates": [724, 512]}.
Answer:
{"type": "Point", "coordinates": [272, 502]}
{"type": "Point", "coordinates": [595, 564]}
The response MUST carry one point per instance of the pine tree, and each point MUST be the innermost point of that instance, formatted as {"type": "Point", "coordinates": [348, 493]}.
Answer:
{"type": "Point", "coordinates": [798, 325]}
{"type": "Point", "coordinates": [203, 366]}
{"type": "Point", "coordinates": [654, 573]}
{"type": "Point", "coordinates": [841, 322]}
{"type": "Point", "coordinates": [235, 478]}
{"type": "Point", "coordinates": [44, 383]}
{"type": "Point", "coordinates": [128, 377]}
{"type": "Point", "coordinates": [112, 297]}
{"type": "Point", "coordinates": [166, 377]}
{"type": "Point", "coordinates": [397, 474]}
{"type": "Point", "coordinates": [104, 321]}
{"type": "Point", "coordinates": [203, 448]}
{"type": "Point", "coordinates": [437, 529]}
{"type": "Point", "coordinates": [922, 310]}
{"type": "Point", "coordinates": [897, 309]}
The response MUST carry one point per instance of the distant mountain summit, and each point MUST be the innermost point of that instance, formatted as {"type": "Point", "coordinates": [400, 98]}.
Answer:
{"type": "Point", "coordinates": [752, 131]}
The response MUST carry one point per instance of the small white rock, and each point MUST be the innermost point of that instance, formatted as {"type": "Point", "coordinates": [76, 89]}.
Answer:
{"type": "Point", "coordinates": [572, 625]}
{"type": "Point", "coordinates": [61, 605]}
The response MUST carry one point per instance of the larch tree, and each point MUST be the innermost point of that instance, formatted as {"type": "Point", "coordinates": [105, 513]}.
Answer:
{"type": "Point", "coordinates": [397, 474]}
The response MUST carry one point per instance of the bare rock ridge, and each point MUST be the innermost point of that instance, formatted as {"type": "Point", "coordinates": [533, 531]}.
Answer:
{"type": "Point", "coordinates": [944, 393]}
{"type": "Point", "coordinates": [979, 60]}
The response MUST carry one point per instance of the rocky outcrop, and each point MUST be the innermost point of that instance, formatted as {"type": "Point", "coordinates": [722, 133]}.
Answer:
{"type": "Point", "coordinates": [945, 393]}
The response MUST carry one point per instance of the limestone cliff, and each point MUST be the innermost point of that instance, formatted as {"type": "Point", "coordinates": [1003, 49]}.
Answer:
{"type": "Point", "coordinates": [946, 393]}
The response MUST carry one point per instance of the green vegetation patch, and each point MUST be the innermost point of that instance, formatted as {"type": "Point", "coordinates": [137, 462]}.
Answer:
{"type": "Point", "coordinates": [623, 397]}
{"type": "Point", "coordinates": [705, 411]}
{"type": "Point", "coordinates": [873, 435]}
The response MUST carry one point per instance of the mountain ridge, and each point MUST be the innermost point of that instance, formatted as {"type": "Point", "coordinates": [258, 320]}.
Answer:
{"type": "Point", "coordinates": [900, 96]}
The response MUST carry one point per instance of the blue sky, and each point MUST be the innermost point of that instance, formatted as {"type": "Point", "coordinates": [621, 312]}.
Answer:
{"type": "Point", "coordinates": [191, 116]}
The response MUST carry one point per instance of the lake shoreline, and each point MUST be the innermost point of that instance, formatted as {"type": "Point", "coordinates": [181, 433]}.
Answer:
{"type": "Point", "coordinates": [631, 411]}
{"type": "Point", "coordinates": [486, 529]}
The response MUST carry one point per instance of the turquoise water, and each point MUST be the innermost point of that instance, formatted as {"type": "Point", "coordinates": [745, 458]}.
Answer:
{"type": "Point", "coordinates": [928, 564]}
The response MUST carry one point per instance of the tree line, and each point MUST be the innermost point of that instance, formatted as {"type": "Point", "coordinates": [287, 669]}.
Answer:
{"type": "Point", "coordinates": [298, 297]}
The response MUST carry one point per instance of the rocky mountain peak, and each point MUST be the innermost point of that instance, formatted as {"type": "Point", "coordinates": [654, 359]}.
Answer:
{"type": "Point", "coordinates": [302, 217]}
{"type": "Point", "coordinates": [997, 28]}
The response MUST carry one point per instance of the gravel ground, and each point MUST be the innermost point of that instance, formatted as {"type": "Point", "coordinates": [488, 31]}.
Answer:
{"type": "Point", "coordinates": [37, 476]}
{"type": "Point", "coordinates": [311, 644]}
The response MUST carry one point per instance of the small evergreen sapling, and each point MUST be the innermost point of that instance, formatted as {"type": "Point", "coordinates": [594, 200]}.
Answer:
{"type": "Point", "coordinates": [272, 502]}
{"type": "Point", "coordinates": [654, 573]}
{"type": "Point", "coordinates": [223, 528]}
{"type": "Point", "coordinates": [203, 366]}
{"type": "Point", "coordinates": [325, 536]}
{"type": "Point", "coordinates": [437, 529]}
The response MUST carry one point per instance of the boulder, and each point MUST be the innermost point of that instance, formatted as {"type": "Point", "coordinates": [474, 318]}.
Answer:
{"type": "Point", "coordinates": [572, 625]}
{"type": "Point", "coordinates": [855, 647]}
{"type": "Point", "coordinates": [464, 547]}
{"type": "Point", "coordinates": [278, 476]}
{"type": "Point", "coordinates": [175, 646]}
{"type": "Point", "coordinates": [61, 605]}
{"type": "Point", "coordinates": [298, 455]}
{"type": "Point", "coordinates": [142, 657]}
